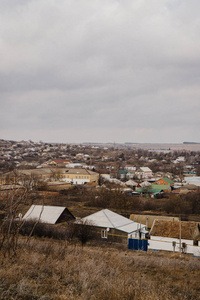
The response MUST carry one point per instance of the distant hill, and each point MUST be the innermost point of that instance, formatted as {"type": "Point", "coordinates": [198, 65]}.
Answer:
{"type": "Point", "coordinates": [188, 143]}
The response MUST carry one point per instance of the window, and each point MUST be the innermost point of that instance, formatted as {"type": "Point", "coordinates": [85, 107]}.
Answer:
{"type": "Point", "coordinates": [104, 234]}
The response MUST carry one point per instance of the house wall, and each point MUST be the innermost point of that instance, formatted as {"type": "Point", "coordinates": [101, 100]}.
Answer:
{"type": "Point", "coordinates": [196, 250]}
{"type": "Point", "coordinates": [94, 178]}
{"type": "Point", "coordinates": [136, 235]}
{"type": "Point", "coordinates": [80, 178]}
{"type": "Point", "coordinates": [117, 236]}
{"type": "Point", "coordinates": [161, 181]}
{"type": "Point", "coordinates": [65, 216]}
{"type": "Point", "coordinates": [113, 235]}
{"type": "Point", "coordinates": [77, 179]}
{"type": "Point", "coordinates": [164, 243]}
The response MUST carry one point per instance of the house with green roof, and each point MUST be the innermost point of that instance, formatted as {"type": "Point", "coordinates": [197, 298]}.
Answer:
{"type": "Point", "coordinates": [164, 181]}
{"type": "Point", "coordinates": [154, 189]}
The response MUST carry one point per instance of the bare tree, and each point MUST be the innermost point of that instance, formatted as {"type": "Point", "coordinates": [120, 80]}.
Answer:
{"type": "Point", "coordinates": [84, 231]}
{"type": "Point", "coordinates": [11, 223]}
{"type": "Point", "coordinates": [11, 204]}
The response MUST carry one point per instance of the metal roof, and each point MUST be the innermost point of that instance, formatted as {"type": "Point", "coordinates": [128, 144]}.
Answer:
{"type": "Point", "coordinates": [131, 183]}
{"type": "Point", "coordinates": [45, 214]}
{"type": "Point", "coordinates": [193, 180]}
{"type": "Point", "coordinates": [145, 169]}
{"type": "Point", "coordinates": [107, 218]}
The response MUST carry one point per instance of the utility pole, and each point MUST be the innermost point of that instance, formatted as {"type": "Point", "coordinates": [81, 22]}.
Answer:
{"type": "Point", "coordinates": [180, 235]}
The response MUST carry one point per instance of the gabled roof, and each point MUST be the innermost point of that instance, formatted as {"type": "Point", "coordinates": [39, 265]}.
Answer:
{"type": "Point", "coordinates": [123, 172]}
{"type": "Point", "coordinates": [171, 229]}
{"type": "Point", "coordinates": [149, 190]}
{"type": "Point", "coordinates": [107, 218]}
{"type": "Point", "coordinates": [131, 183]}
{"type": "Point", "coordinates": [166, 179]}
{"type": "Point", "coordinates": [45, 214]}
{"type": "Point", "coordinates": [145, 169]}
{"type": "Point", "coordinates": [145, 184]}
{"type": "Point", "coordinates": [161, 186]}
{"type": "Point", "coordinates": [154, 188]}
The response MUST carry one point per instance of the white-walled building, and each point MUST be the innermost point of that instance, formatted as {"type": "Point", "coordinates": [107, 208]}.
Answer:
{"type": "Point", "coordinates": [175, 236]}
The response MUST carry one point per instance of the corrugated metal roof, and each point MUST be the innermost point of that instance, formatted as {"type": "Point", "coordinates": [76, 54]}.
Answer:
{"type": "Point", "coordinates": [45, 214]}
{"type": "Point", "coordinates": [145, 169]}
{"type": "Point", "coordinates": [109, 219]}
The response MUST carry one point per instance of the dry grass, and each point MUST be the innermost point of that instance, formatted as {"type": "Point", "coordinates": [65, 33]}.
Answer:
{"type": "Point", "coordinates": [46, 269]}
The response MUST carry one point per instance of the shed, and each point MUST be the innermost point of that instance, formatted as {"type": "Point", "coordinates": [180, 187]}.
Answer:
{"type": "Point", "coordinates": [48, 214]}
{"type": "Point", "coordinates": [149, 219]}
{"type": "Point", "coordinates": [167, 235]}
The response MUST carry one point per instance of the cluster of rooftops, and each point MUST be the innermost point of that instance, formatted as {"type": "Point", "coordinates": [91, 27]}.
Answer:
{"type": "Point", "coordinates": [136, 227]}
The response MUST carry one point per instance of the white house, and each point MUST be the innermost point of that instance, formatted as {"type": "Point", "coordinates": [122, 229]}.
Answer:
{"type": "Point", "coordinates": [113, 224]}
{"type": "Point", "coordinates": [144, 172]}
{"type": "Point", "coordinates": [130, 168]}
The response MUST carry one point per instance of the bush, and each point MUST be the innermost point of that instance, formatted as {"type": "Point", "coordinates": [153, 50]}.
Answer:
{"type": "Point", "coordinates": [31, 228]}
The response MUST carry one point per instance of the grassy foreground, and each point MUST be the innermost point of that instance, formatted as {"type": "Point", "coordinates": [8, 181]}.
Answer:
{"type": "Point", "coordinates": [46, 269]}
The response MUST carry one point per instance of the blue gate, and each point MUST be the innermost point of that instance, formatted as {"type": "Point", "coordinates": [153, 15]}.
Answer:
{"type": "Point", "coordinates": [137, 244]}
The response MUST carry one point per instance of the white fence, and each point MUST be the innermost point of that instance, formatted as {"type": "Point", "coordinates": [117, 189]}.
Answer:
{"type": "Point", "coordinates": [169, 244]}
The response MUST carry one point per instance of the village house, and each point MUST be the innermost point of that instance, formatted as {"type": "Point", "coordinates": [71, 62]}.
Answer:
{"type": "Point", "coordinates": [165, 181]}
{"type": "Point", "coordinates": [132, 184]}
{"type": "Point", "coordinates": [59, 162]}
{"type": "Point", "coordinates": [154, 189]}
{"type": "Point", "coordinates": [124, 174]}
{"type": "Point", "coordinates": [130, 168]}
{"type": "Point", "coordinates": [113, 227]}
{"type": "Point", "coordinates": [143, 172]}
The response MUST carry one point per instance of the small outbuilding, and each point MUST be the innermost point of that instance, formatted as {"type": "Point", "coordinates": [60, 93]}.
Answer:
{"type": "Point", "coordinates": [175, 236]}
{"type": "Point", "coordinates": [48, 214]}
{"type": "Point", "coordinates": [149, 219]}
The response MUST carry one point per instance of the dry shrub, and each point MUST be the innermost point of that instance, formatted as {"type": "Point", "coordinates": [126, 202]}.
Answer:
{"type": "Point", "coordinates": [48, 269]}
{"type": "Point", "coordinates": [43, 230]}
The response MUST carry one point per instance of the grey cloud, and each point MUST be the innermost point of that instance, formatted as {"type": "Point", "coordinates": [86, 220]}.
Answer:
{"type": "Point", "coordinates": [122, 69]}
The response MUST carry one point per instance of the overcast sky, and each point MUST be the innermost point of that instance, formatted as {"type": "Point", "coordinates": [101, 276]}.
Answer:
{"type": "Point", "coordinates": [100, 70]}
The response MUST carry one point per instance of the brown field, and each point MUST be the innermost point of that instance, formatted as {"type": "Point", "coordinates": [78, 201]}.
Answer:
{"type": "Point", "coordinates": [46, 269]}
